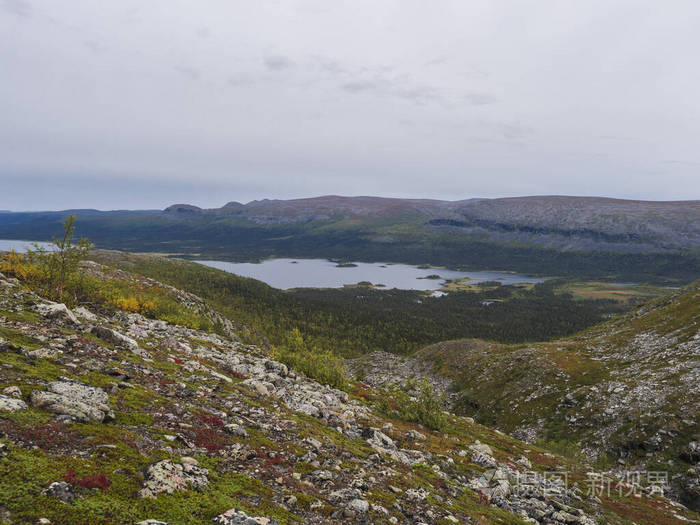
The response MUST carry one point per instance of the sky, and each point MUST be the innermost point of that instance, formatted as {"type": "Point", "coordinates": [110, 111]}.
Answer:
{"type": "Point", "coordinates": [130, 104]}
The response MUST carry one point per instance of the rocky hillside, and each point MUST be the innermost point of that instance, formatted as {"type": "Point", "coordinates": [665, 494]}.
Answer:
{"type": "Point", "coordinates": [580, 223]}
{"type": "Point", "coordinates": [624, 393]}
{"type": "Point", "coordinates": [110, 417]}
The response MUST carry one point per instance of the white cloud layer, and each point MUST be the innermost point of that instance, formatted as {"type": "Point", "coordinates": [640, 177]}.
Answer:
{"type": "Point", "coordinates": [135, 104]}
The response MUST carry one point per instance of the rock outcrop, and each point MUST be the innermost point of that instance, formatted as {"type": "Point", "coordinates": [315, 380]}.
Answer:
{"type": "Point", "coordinates": [74, 400]}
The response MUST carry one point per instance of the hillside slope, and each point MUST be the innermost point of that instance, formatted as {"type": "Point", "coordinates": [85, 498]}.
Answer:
{"type": "Point", "coordinates": [625, 390]}
{"type": "Point", "coordinates": [110, 417]}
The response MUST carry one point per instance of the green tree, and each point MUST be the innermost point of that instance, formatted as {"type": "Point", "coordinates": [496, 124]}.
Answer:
{"type": "Point", "coordinates": [60, 263]}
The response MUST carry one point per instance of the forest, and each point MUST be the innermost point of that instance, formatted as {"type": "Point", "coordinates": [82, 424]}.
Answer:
{"type": "Point", "coordinates": [353, 321]}
{"type": "Point", "coordinates": [411, 242]}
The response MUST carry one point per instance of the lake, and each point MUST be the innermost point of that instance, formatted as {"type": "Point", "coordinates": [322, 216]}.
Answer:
{"type": "Point", "coordinates": [19, 246]}
{"type": "Point", "coordinates": [322, 273]}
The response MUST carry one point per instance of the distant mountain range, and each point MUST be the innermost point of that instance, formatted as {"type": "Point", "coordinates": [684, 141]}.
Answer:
{"type": "Point", "coordinates": [556, 235]}
{"type": "Point", "coordinates": [561, 221]}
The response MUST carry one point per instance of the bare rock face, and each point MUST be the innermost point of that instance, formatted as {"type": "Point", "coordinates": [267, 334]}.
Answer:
{"type": "Point", "coordinates": [238, 517]}
{"type": "Point", "coordinates": [56, 311]}
{"type": "Point", "coordinates": [167, 477]}
{"type": "Point", "coordinates": [85, 314]}
{"type": "Point", "coordinates": [77, 401]}
{"type": "Point", "coordinates": [11, 404]}
{"type": "Point", "coordinates": [114, 337]}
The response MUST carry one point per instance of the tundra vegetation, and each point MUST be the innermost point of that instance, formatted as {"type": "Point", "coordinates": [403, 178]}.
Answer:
{"type": "Point", "coordinates": [266, 423]}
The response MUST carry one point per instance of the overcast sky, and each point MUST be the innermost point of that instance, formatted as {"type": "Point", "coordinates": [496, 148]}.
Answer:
{"type": "Point", "coordinates": [140, 104]}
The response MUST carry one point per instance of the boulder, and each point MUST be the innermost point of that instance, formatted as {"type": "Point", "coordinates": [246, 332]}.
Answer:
{"type": "Point", "coordinates": [238, 517]}
{"type": "Point", "coordinates": [61, 490]}
{"type": "Point", "coordinates": [11, 404]}
{"type": "Point", "coordinates": [359, 506]}
{"type": "Point", "coordinates": [12, 391]}
{"type": "Point", "coordinates": [235, 430]}
{"type": "Point", "coordinates": [115, 337]}
{"type": "Point", "coordinates": [85, 314]}
{"type": "Point", "coordinates": [379, 441]}
{"type": "Point", "coordinates": [56, 311]}
{"type": "Point", "coordinates": [75, 400]}
{"type": "Point", "coordinates": [168, 477]}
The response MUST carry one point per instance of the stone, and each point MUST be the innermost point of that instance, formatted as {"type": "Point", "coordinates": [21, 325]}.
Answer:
{"type": "Point", "coordinates": [56, 311]}
{"type": "Point", "coordinates": [11, 404]}
{"type": "Point", "coordinates": [42, 353]}
{"type": "Point", "coordinates": [378, 440]}
{"type": "Point", "coordinates": [85, 314]}
{"type": "Point", "coordinates": [168, 477]}
{"type": "Point", "coordinates": [152, 522]}
{"type": "Point", "coordinates": [236, 430]}
{"type": "Point", "coordinates": [359, 506]}
{"type": "Point", "coordinates": [483, 448]}
{"type": "Point", "coordinates": [238, 517]}
{"type": "Point", "coordinates": [115, 337]}
{"type": "Point", "coordinates": [12, 391]}
{"type": "Point", "coordinates": [415, 435]}
{"type": "Point", "coordinates": [61, 490]}
{"type": "Point", "coordinates": [77, 401]}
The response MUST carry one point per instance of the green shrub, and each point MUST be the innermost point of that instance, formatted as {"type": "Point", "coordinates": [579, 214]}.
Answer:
{"type": "Point", "coordinates": [322, 365]}
{"type": "Point", "coordinates": [426, 409]}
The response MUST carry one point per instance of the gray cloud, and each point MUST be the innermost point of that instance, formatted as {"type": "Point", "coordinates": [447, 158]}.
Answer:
{"type": "Point", "coordinates": [246, 100]}
{"type": "Point", "coordinates": [480, 99]}
{"type": "Point", "coordinates": [277, 62]}
{"type": "Point", "coordinates": [188, 72]}
{"type": "Point", "coordinates": [21, 8]}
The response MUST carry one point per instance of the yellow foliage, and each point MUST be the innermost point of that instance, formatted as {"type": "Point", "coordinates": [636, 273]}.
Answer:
{"type": "Point", "coordinates": [135, 305]}
{"type": "Point", "coordinates": [17, 265]}
{"type": "Point", "coordinates": [128, 304]}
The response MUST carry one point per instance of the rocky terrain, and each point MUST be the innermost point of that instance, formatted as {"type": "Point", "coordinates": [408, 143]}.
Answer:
{"type": "Point", "coordinates": [623, 393]}
{"type": "Point", "coordinates": [558, 223]}
{"type": "Point", "coordinates": [582, 223]}
{"type": "Point", "coordinates": [111, 417]}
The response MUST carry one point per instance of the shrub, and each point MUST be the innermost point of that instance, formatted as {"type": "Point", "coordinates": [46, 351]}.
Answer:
{"type": "Point", "coordinates": [211, 420]}
{"type": "Point", "coordinates": [48, 436]}
{"type": "Point", "coordinates": [322, 365]}
{"type": "Point", "coordinates": [91, 481]}
{"type": "Point", "coordinates": [427, 409]}
{"type": "Point", "coordinates": [208, 438]}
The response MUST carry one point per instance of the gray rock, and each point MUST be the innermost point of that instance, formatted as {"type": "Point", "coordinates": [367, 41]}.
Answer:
{"type": "Point", "coordinates": [12, 391]}
{"type": "Point", "coordinates": [11, 404]}
{"type": "Point", "coordinates": [114, 337]}
{"type": "Point", "coordinates": [415, 435]}
{"type": "Point", "coordinates": [86, 314]}
{"type": "Point", "coordinates": [56, 311]}
{"type": "Point", "coordinates": [78, 401]}
{"type": "Point", "coordinates": [168, 477]}
{"type": "Point", "coordinates": [152, 522]}
{"type": "Point", "coordinates": [238, 517]}
{"type": "Point", "coordinates": [236, 430]}
{"type": "Point", "coordinates": [42, 353]}
{"type": "Point", "coordinates": [378, 440]}
{"type": "Point", "coordinates": [358, 505]}
{"type": "Point", "coordinates": [483, 448]}
{"type": "Point", "coordinates": [61, 490]}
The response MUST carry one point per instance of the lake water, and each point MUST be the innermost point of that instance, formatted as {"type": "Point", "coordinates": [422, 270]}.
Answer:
{"type": "Point", "coordinates": [19, 246]}
{"type": "Point", "coordinates": [322, 273]}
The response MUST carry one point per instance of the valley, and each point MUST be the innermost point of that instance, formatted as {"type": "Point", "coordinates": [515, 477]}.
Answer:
{"type": "Point", "coordinates": [143, 404]}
